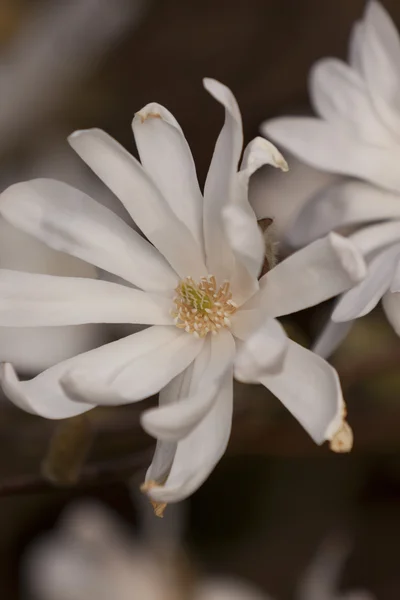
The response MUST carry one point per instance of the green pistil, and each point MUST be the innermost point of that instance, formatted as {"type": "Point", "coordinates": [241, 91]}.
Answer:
{"type": "Point", "coordinates": [195, 297]}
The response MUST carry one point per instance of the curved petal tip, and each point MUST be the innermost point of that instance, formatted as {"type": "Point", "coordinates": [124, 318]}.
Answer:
{"type": "Point", "coordinates": [261, 152]}
{"type": "Point", "coordinates": [79, 132]}
{"type": "Point", "coordinates": [152, 111]}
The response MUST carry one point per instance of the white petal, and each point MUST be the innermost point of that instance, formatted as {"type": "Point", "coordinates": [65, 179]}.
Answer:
{"type": "Point", "coordinates": [42, 395]}
{"type": "Point", "coordinates": [68, 220]}
{"type": "Point", "coordinates": [356, 45]}
{"type": "Point", "coordinates": [263, 351]}
{"type": "Point", "coordinates": [340, 96]}
{"type": "Point", "coordinates": [219, 186]}
{"type": "Point", "coordinates": [201, 450]}
{"type": "Point", "coordinates": [248, 248]}
{"type": "Point", "coordinates": [379, 19]}
{"type": "Point", "coordinates": [151, 359]}
{"type": "Point", "coordinates": [330, 338]}
{"type": "Point", "coordinates": [380, 60]}
{"type": "Point", "coordinates": [244, 322]}
{"type": "Point", "coordinates": [177, 420]}
{"type": "Point", "coordinates": [319, 271]}
{"type": "Point", "coordinates": [327, 147]}
{"type": "Point", "coordinates": [126, 178]}
{"type": "Point", "coordinates": [45, 394]}
{"type": "Point", "coordinates": [342, 204]}
{"type": "Point", "coordinates": [360, 300]}
{"type": "Point", "coordinates": [31, 300]}
{"type": "Point", "coordinates": [391, 306]}
{"type": "Point", "coordinates": [260, 152]}
{"type": "Point", "coordinates": [165, 155]}
{"type": "Point", "coordinates": [372, 238]}
{"type": "Point", "coordinates": [243, 232]}
{"type": "Point", "coordinates": [310, 389]}
{"type": "Point", "coordinates": [164, 452]}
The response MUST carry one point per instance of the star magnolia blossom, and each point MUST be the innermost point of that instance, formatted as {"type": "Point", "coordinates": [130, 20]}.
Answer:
{"type": "Point", "coordinates": [194, 280]}
{"type": "Point", "coordinates": [357, 135]}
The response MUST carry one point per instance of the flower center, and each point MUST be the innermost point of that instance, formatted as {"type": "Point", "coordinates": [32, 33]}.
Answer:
{"type": "Point", "coordinates": [201, 308]}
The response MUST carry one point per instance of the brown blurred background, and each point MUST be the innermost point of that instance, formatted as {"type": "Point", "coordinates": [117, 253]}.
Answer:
{"type": "Point", "coordinates": [275, 496]}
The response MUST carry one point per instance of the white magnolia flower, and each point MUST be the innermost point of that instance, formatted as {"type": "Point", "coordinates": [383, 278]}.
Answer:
{"type": "Point", "coordinates": [357, 135]}
{"type": "Point", "coordinates": [200, 262]}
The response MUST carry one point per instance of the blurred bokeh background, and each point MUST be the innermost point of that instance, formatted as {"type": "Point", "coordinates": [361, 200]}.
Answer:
{"type": "Point", "coordinates": [275, 497]}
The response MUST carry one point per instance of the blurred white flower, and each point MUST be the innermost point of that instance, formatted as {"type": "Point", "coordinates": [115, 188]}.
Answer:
{"type": "Point", "coordinates": [357, 135]}
{"type": "Point", "coordinates": [90, 555]}
{"type": "Point", "coordinates": [197, 275]}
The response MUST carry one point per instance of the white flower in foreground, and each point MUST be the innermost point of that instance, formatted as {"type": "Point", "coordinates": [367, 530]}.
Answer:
{"type": "Point", "coordinates": [201, 264]}
{"type": "Point", "coordinates": [357, 135]}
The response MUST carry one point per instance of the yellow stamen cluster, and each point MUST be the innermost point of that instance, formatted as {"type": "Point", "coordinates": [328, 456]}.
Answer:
{"type": "Point", "coordinates": [202, 308]}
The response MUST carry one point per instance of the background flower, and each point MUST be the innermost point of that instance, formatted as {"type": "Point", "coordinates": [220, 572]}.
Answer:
{"type": "Point", "coordinates": [357, 135]}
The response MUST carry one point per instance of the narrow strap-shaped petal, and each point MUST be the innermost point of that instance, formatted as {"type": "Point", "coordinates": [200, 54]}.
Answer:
{"type": "Point", "coordinates": [164, 452]}
{"type": "Point", "coordinates": [238, 226]}
{"type": "Point", "coordinates": [243, 231]}
{"type": "Point", "coordinates": [326, 147]}
{"type": "Point", "coordinates": [321, 270]}
{"type": "Point", "coordinates": [380, 20]}
{"type": "Point", "coordinates": [310, 389]}
{"type": "Point", "coordinates": [362, 298]}
{"type": "Point", "coordinates": [342, 204]}
{"type": "Point", "coordinates": [31, 300]}
{"type": "Point", "coordinates": [166, 157]}
{"type": "Point", "coordinates": [153, 357]}
{"type": "Point", "coordinates": [356, 45]}
{"type": "Point", "coordinates": [197, 454]}
{"type": "Point", "coordinates": [48, 394]}
{"type": "Point", "coordinates": [45, 396]}
{"type": "Point", "coordinates": [247, 238]}
{"type": "Point", "coordinates": [42, 395]}
{"type": "Point", "coordinates": [177, 420]}
{"type": "Point", "coordinates": [330, 338]}
{"type": "Point", "coordinates": [261, 352]}
{"type": "Point", "coordinates": [380, 60]}
{"type": "Point", "coordinates": [127, 179]}
{"type": "Point", "coordinates": [340, 96]}
{"type": "Point", "coordinates": [218, 190]}
{"type": "Point", "coordinates": [68, 220]}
